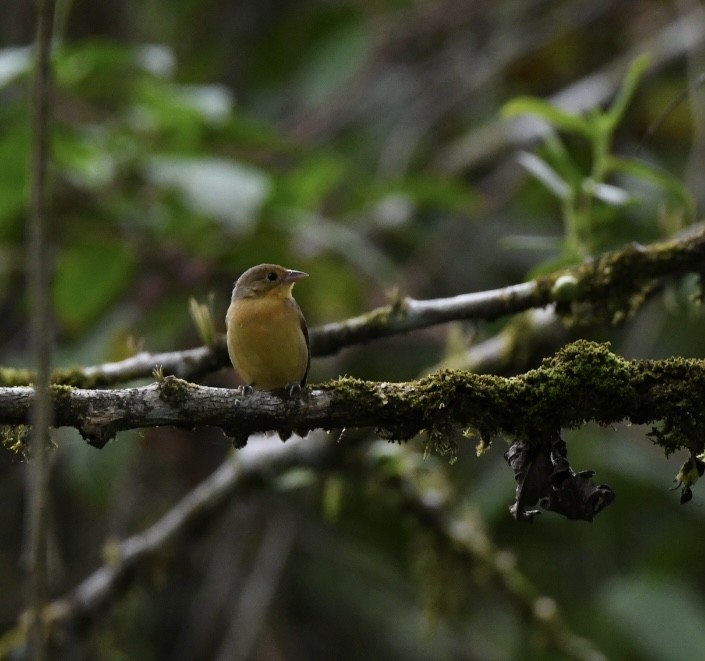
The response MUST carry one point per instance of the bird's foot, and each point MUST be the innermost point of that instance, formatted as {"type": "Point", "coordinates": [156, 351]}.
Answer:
{"type": "Point", "coordinates": [295, 389]}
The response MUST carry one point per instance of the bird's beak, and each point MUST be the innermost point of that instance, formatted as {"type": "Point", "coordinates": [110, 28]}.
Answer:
{"type": "Point", "coordinates": [294, 276]}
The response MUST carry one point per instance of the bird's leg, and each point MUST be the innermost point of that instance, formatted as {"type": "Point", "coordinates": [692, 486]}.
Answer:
{"type": "Point", "coordinates": [246, 390]}
{"type": "Point", "coordinates": [294, 389]}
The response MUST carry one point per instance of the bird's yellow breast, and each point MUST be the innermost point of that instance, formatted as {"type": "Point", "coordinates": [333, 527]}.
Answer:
{"type": "Point", "coordinates": [266, 343]}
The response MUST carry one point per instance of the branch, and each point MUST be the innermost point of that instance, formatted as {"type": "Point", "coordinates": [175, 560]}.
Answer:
{"type": "Point", "coordinates": [609, 288]}
{"type": "Point", "coordinates": [40, 324]}
{"type": "Point", "coordinates": [267, 457]}
{"type": "Point", "coordinates": [461, 534]}
{"type": "Point", "coordinates": [582, 382]}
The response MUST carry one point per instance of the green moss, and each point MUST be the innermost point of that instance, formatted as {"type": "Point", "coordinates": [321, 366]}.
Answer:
{"type": "Point", "coordinates": [613, 287]}
{"type": "Point", "coordinates": [583, 382]}
{"type": "Point", "coordinates": [14, 438]}
{"type": "Point", "coordinates": [61, 394]}
{"type": "Point", "coordinates": [10, 377]}
{"type": "Point", "coordinates": [174, 391]}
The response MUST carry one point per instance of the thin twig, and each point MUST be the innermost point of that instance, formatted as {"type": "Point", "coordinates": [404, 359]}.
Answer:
{"type": "Point", "coordinates": [40, 333]}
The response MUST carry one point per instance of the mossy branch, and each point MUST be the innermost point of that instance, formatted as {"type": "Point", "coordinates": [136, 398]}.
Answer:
{"type": "Point", "coordinates": [581, 383]}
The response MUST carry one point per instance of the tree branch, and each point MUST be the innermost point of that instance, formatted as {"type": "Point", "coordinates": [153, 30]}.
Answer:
{"type": "Point", "coordinates": [40, 324]}
{"type": "Point", "coordinates": [582, 382]}
{"type": "Point", "coordinates": [609, 288]}
{"type": "Point", "coordinates": [458, 531]}
{"type": "Point", "coordinates": [109, 581]}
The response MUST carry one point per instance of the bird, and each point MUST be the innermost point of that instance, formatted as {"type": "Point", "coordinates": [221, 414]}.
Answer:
{"type": "Point", "coordinates": [266, 335]}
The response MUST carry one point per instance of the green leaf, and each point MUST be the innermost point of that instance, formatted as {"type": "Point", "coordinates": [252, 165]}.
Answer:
{"type": "Point", "coordinates": [89, 279]}
{"type": "Point", "coordinates": [552, 114]}
{"type": "Point", "coordinates": [626, 91]}
{"type": "Point", "coordinates": [562, 160]}
{"type": "Point", "coordinates": [613, 196]}
{"type": "Point", "coordinates": [84, 158]}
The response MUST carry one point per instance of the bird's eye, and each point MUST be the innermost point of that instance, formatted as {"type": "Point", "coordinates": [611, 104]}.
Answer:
{"type": "Point", "coordinates": [271, 276]}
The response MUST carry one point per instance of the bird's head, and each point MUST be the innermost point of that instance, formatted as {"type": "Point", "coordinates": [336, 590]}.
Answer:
{"type": "Point", "coordinates": [267, 280]}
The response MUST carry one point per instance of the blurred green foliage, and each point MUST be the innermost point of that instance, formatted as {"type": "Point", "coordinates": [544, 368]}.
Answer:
{"type": "Point", "coordinates": [590, 204]}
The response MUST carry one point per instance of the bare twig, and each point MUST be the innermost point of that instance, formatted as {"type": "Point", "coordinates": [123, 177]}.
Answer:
{"type": "Point", "coordinates": [40, 324]}
{"type": "Point", "coordinates": [188, 364]}
{"type": "Point", "coordinates": [410, 314]}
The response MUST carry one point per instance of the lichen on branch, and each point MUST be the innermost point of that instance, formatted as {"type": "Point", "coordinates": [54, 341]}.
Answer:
{"type": "Point", "coordinates": [583, 382]}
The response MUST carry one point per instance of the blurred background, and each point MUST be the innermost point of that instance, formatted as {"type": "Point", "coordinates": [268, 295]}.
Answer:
{"type": "Point", "coordinates": [370, 145]}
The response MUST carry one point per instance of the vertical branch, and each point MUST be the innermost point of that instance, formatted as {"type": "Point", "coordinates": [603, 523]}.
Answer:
{"type": "Point", "coordinates": [40, 325]}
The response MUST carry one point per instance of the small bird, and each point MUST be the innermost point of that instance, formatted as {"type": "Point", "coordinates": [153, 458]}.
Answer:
{"type": "Point", "coordinates": [266, 331]}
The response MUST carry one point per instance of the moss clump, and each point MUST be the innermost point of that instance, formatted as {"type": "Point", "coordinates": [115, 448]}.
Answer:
{"type": "Point", "coordinates": [584, 382]}
{"type": "Point", "coordinates": [14, 438]}
{"type": "Point", "coordinates": [61, 394]}
{"type": "Point", "coordinates": [10, 377]}
{"type": "Point", "coordinates": [174, 391]}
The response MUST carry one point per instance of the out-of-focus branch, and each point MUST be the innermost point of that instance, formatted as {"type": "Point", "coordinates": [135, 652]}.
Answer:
{"type": "Point", "coordinates": [535, 333]}
{"type": "Point", "coordinates": [40, 324]}
{"type": "Point", "coordinates": [463, 535]}
{"type": "Point", "coordinates": [266, 457]}
{"type": "Point", "coordinates": [253, 603]}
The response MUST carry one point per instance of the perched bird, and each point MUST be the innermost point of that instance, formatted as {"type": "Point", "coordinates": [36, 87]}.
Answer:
{"type": "Point", "coordinates": [266, 331]}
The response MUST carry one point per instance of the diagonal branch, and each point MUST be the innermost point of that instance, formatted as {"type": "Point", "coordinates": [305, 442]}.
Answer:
{"type": "Point", "coordinates": [106, 583]}
{"type": "Point", "coordinates": [608, 288]}
{"type": "Point", "coordinates": [266, 459]}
